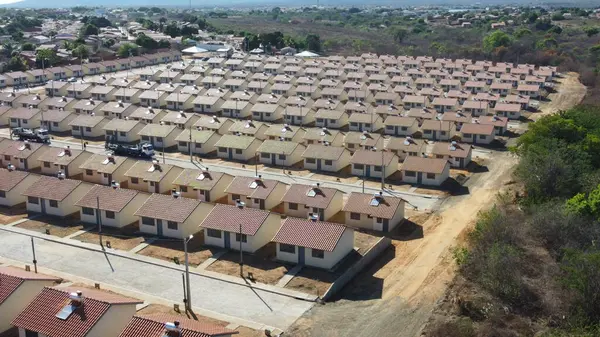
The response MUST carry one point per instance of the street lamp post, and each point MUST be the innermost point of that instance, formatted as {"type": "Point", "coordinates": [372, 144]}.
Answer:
{"type": "Point", "coordinates": [188, 303]}
{"type": "Point", "coordinates": [240, 204]}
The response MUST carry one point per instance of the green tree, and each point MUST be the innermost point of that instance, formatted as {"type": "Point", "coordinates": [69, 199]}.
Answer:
{"type": "Point", "coordinates": [532, 18]}
{"type": "Point", "coordinates": [147, 42]}
{"type": "Point", "coordinates": [28, 46]}
{"type": "Point", "coordinates": [313, 42]}
{"type": "Point", "coordinates": [581, 274]}
{"type": "Point", "coordinates": [127, 49]}
{"type": "Point", "coordinates": [172, 30]}
{"type": "Point", "coordinates": [189, 30]}
{"type": "Point", "coordinates": [108, 43]}
{"type": "Point", "coordinates": [522, 32]}
{"type": "Point", "coordinates": [89, 29]}
{"type": "Point", "coordinates": [557, 17]}
{"type": "Point", "coordinates": [591, 31]}
{"type": "Point", "coordinates": [399, 34]}
{"type": "Point", "coordinates": [164, 44]}
{"type": "Point", "coordinates": [496, 39]}
{"type": "Point", "coordinates": [16, 63]}
{"type": "Point", "coordinates": [48, 56]}
{"type": "Point", "coordinates": [80, 51]}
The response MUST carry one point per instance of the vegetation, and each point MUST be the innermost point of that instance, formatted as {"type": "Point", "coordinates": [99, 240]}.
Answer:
{"type": "Point", "coordinates": [128, 49]}
{"type": "Point", "coordinates": [533, 259]}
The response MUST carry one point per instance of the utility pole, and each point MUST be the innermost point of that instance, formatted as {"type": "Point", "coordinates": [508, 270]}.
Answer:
{"type": "Point", "coordinates": [256, 164]}
{"type": "Point", "coordinates": [191, 157]}
{"type": "Point", "coordinates": [99, 220]}
{"type": "Point", "coordinates": [34, 259]}
{"type": "Point", "coordinates": [188, 303]}
{"type": "Point", "coordinates": [382, 170]}
{"type": "Point", "coordinates": [241, 254]}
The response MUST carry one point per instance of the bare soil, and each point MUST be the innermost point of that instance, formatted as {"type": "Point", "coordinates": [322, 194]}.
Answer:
{"type": "Point", "coordinates": [122, 239]}
{"type": "Point", "coordinates": [12, 214]}
{"type": "Point", "coordinates": [168, 249]}
{"type": "Point", "coordinates": [569, 93]}
{"type": "Point", "coordinates": [60, 227]}
{"type": "Point", "coordinates": [261, 264]}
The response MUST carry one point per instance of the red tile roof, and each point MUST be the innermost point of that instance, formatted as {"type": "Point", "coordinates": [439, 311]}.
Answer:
{"type": "Point", "coordinates": [368, 157]}
{"type": "Point", "coordinates": [241, 186]}
{"type": "Point", "coordinates": [154, 326]}
{"type": "Point", "coordinates": [8, 284]}
{"type": "Point", "coordinates": [40, 314]}
{"type": "Point", "coordinates": [51, 188]}
{"type": "Point", "coordinates": [19, 149]}
{"type": "Point", "coordinates": [427, 165]}
{"type": "Point", "coordinates": [361, 203]}
{"type": "Point", "coordinates": [298, 194]}
{"type": "Point", "coordinates": [10, 179]}
{"type": "Point", "coordinates": [228, 218]}
{"type": "Point", "coordinates": [110, 199]}
{"type": "Point", "coordinates": [312, 234]}
{"type": "Point", "coordinates": [166, 207]}
{"type": "Point", "coordinates": [11, 278]}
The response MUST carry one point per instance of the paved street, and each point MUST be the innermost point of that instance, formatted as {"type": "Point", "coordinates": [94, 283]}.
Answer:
{"type": "Point", "coordinates": [218, 296]}
{"type": "Point", "coordinates": [422, 201]}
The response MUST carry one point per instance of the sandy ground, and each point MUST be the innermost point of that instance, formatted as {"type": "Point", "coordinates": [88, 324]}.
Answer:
{"type": "Point", "coordinates": [397, 295]}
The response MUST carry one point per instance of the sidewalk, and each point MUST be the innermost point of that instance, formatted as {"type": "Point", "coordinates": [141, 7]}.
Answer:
{"type": "Point", "coordinates": [223, 294]}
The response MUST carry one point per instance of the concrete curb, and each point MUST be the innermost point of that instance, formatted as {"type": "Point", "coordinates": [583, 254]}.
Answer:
{"type": "Point", "coordinates": [159, 263]}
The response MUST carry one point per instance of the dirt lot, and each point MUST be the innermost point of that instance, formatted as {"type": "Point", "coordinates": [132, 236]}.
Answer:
{"type": "Point", "coordinates": [167, 249]}
{"type": "Point", "coordinates": [57, 226]}
{"type": "Point", "coordinates": [261, 265]}
{"type": "Point", "coordinates": [12, 214]}
{"type": "Point", "coordinates": [161, 309]}
{"type": "Point", "coordinates": [569, 93]}
{"type": "Point", "coordinates": [124, 239]}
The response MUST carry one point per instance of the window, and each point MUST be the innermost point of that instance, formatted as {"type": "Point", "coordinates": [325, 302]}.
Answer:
{"type": "Point", "coordinates": [29, 333]}
{"type": "Point", "coordinates": [146, 138]}
{"type": "Point", "coordinates": [223, 149]}
{"type": "Point", "coordinates": [147, 221]}
{"type": "Point", "coordinates": [172, 225]}
{"type": "Point", "coordinates": [134, 180]}
{"type": "Point", "coordinates": [332, 121]}
{"type": "Point", "coordinates": [427, 131]}
{"type": "Point", "coordinates": [282, 157]}
{"type": "Point", "coordinates": [389, 127]}
{"type": "Point", "coordinates": [238, 151]}
{"type": "Point", "coordinates": [87, 211]}
{"type": "Point", "coordinates": [430, 175]}
{"type": "Point", "coordinates": [377, 168]}
{"type": "Point", "coordinates": [33, 200]}
{"type": "Point", "coordinates": [355, 216]}
{"type": "Point", "coordinates": [265, 155]}
{"type": "Point", "coordinates": [404, 128]}
{"type": "Point", "coordinates": [318, 254]}
{"type": "Point", "coordinates": [350, 146]}
{"type": "Point", "coordinates": [467, 135]}
{"type": "Point", "coordinates": [482, 136]}
{"type": "Point", "coordinates": [213, 233]}
{"type": "Point", "coordinates": [287, 248]}
{"type": "Point", "coordinates": [46, 164]}
{"type": "Point", "coordinates": [88, 129]}
{"type": "Point", "coordinates": [2, 194]}
{"type": "Point", "coordinates": [24, 121]}
{"type": "Point", "coordinates": [197, 145]}
{"type": "Point", "coordinates": [182, 143]}
{"type": "Point", "coordinates": [53, 203]}
{"type": "Point", "coordinates": [109, 214]}
{"type": "Point", "coordinates": [6, 157]}
{"type": "Point", "coordinates": [359, 167]}
{"type": "Point", "coordinates": [159, 139]}
{"type": "Point", "coordinates": [310, 160]}
{"type": "Point", "coordinates": [379, 220]}
{"type": "Point", "coordinates": [244, 237]}
{"type": "Point", "coordinates": [235, 197]}
{"type": "Point", "coordinates": [328, 162]}
{"type": "Point", "coordinates": [443, 133]}
{"type": "Point", "coordinates": [410, 173]}
{"type": "Point", "coordinates": [293, 206]}
{"type": "Point", "coordinates": [123, 134]}
{"type": "Point", "coordinates": [55, 124]}
{"type": "Point", "coordinates": [152, 183]}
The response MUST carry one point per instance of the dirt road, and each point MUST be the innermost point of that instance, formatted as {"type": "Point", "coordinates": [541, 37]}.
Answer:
{"type": "Point", "coordinates": [396, 296]}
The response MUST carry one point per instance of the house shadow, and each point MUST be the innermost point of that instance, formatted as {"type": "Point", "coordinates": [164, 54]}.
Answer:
{"type": "Point", "coordinates": [475, 167]}
{"type": "Point", "coordinates": [406, 231]}
{"type": "Point", "coordinates": [454, 186]}
{"type": "Point", "coordinates": [365, 285]}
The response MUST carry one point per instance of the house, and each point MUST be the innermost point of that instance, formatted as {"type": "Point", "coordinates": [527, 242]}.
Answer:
{"type": "Point", "coordinates": [71, 312]}
{"type": "Point", "coordinates": [80, 90]}
{"type": "Point", "coordinates": [475, 87]}
{"type": "Point", "coordinates": [457, 119]}
{"type": "Point", "coordinates": [147, 115]}
{"type": "Point", "coordinates": [404, 147]}
{"type": "Point", "coordinates": [65, 160]}
{"type": "Point", "coordinates": [88, 107]}
{"type": "Point", "coordinates": [55, 195]}
{"type": "Point", "coordinates": [4, 110]}
{"type": "Point", "coordinates": [271, 99]}
{"type": "Point", "coordinates": [105, 169]}
{"type": "Point", "coordinates": [332, 119]}
{"type": "Point", "coordinates": [373, 211]}
{"type": "Point", "coordinates": [92, 68]}
{"type": "Point", "coordinates": [518, 99]}
{"type": "Point", "coordinates": [37, 76]}
{"type": "Point", "coordinates": [529, 90]}
{"type": "Point", "coordinates": [153, 99]}
{"type": "Point", "coordinates": [266, 112]}
{"type": "Point", "coordinates": [500, 123]}
{"type": "Point", "coordinates": [22, 155]}
{"type": "Point", "coordinates": [208, 104]}
{"type": "Point", "coordinates": [302, 241]}
{"type": "Point", "coordinates": [58, 103]}
{"type": "Point", "coordinates": [88, 126]}
{"type": "Point", "coordinates": [280, 153]}
{"type": "Point", "coordinates": [304, 201]}
{"type": "Point", "coordinates": [458, 155]}
{"type": "Point", "coordinates": [160, 325]}
{"type": "Point", "coordinates": [369, 122]}
{"type": "Point", "coordinates": [425, 170]}
{"type": "Point", "coordinates": [237, 147]}
{"type": "Point", "coordinates": [123, 130]}
{"type": "Point", "coordinates": [214, 123]}
{"type": "Point", "coordinates": [183, 120]}
{"type": "Point", "coordinates": [115, 205]}
{"type": "Point", "coordinates": [298, 115]}
{"type": "Point", "coordinates": [12, 185]}
{"type": "Point", "coordinates": [10, 99]}
{"type": "Point", "coordinates": [435, 129]}
{"type": "Point", "coordinates": [362, 140]}
{"type": "Point", "coordinates": [152, 177]}
{"type": "Point", "coordinates": [29, 101]}
{"type": "Point", "coordinates": [159, 135]}
{"type": "Point", "coordinates": [256, 192]}
{"type": "Point", "coordinates": [477, 133]}
{"type": "Point", "coordinates": [172, 215]}
{"type": "Point", "coordinates": [143, 86]}
{"type": "Point", "coordinates": [103, 93]}
{"type": "Point", "coordinates": [412, 101]}
{"type": "Point", "coordinates": [369, 163]}
{"type": "Point", "coordinates": [203, 185]}
{"type": "Point", "coordinates": [202, 141]}
{"type": "Point", "coordinates": [401, 126]}
{"type": "Point", "coordinates": [24, 117]}
{"type": "Point", "coordinates": [236, 109]}
{"type": "Point", "coordinates": [179, 101]}
{"type": "Point", "coordinates": [509, 110]}
{"type": "Point", "coordinates": [56, 88]}
{"type": "Point", "coordinates": [442, 105]}
{"type": "Point", "coordinates": [249, 128]}
{"type": "Point", "coordinates": [16, 78]}
{"type": "Point", "coordinates": [19, 288]}
{"type": "Point", "coordinates": [320, 157]}
{"type": "Point", "coordinates": [475, 108]}
{"type": "Point", "coordinates": [285, 132]}
{"type": "Point", "coordinates": [232, 227]}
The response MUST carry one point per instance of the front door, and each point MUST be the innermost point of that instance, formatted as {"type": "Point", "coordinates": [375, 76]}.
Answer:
{"type": "Point", "coordinates": [368, 168]}
{"type": "Point", "coordinates": [43, 205]}
{"type": "Point", "coordinates": [66, 171]}
{"type": "Point", "coordinates": [434, 135]}
{"type": "Point", "coordinates": [396, 131]}
{"type": "Point", "coordinates": [320, 212]}
{"type": "Point", "coordinates": [461, 162]}
{"type": "Point", "coordinates": [419, 177]}
{"type": "Point", "coordinates": [386, 225]}
{"type": "Point", "coordinates": [207, 196]}
{"type": "Point", "coordinates": [227, 238]}
{"type": "Point", "coordinates": [262, 203]}
{"type": "Point", "coordinates": [300, 255]}
{"type": "Point", "coordinates": [273, 159]}
{"type": "Point", "coordinates": [159, 227]}
{"type": "Point", "coordinates": [230, 153]}
{"type": "Point", "coordinates": [318, 164]}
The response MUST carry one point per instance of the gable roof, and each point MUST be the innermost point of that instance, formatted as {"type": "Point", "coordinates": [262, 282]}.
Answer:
{"type": "Point", "coordinates": [11, 278]}
{"type": "Point", "coordinates": [241, 186]}
{"type": "Point", "coordinates": [361, 203]}
{"type": "Point", "coordinates": [299, 194]}
{"type": "Point", "coordinates": [10, 179]}
{"type": "Point", "coordinates": [198, 179]}
{"type": "Point", "coordinates": [18, 149]}
{"type": "Point", "coordinates": [102, 164]}
{"type": "Point", "coordinates": [51, 188]}
{"type": "Point", "coordinates": [229, 218]}
{"type": "Point", "coordinates": [60, 156]}
{"type": "Point", "coordinates": [167, 207]}
{"type": "Point", "coordinates": [154, 326]}
{"type": "Point", "coordinates": [424, 164]}
{"type": "Point", "coordinates": [368, 157]}
{"type": "Point", "coordinates": [454, 150]}
{"type": "Point", "coordinates": [324, 152]}
{"type": "Point", "coordinates": [311, 234]}
{"type": "Point", "coordinates": [108, 198]}
{"type": "Point", "coordinates": [148, 171]}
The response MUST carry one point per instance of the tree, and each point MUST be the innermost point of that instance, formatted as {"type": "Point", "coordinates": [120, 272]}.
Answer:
{"type": "Point", "coordinates": [555, 30]}
{"type": "Point", "coordinates": [164, 44]}
{"type": "Point", "coordinates": [172, 30]}
{"type": "Point", "coordinates": [581, 274]}
{"type": "Point", "coordinates": [108, 43]}
{"type": "Point", "coordinates": [557, 17]}
{"type": "Point", "coordinates": [189, 30]}
{"type": "Point", "coordinates": [48, 56]}
{"type": "Point", "coordinates": [89, 29]}
{"type": "Point", "coordinates": [16, 63]}
{"type": "Point", "coordinates": [399, 34]}
{"type": "Point", "coordinates": [532, 18]}
{"type": "Point", "coordinates": [494, 40]}
{"type": "Point", "coordinates": [28, 46]}
{"type": "Point", "coordinates": [522, 32]}
{"type": "Point", "coordinates": [354, 10]}
{"type": "Point", "coordinates": [80, 51]}
{"type": "Point", "coordinates": [591, 31]}
{"type": "Point", "coordinates": [7, 49]}
{"type": "Point", "coordinates": [313, 42]}
{"type": "Point", "coordinates": [126, 49]}
{"type": "Point", "coordinates": [145, 41]}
